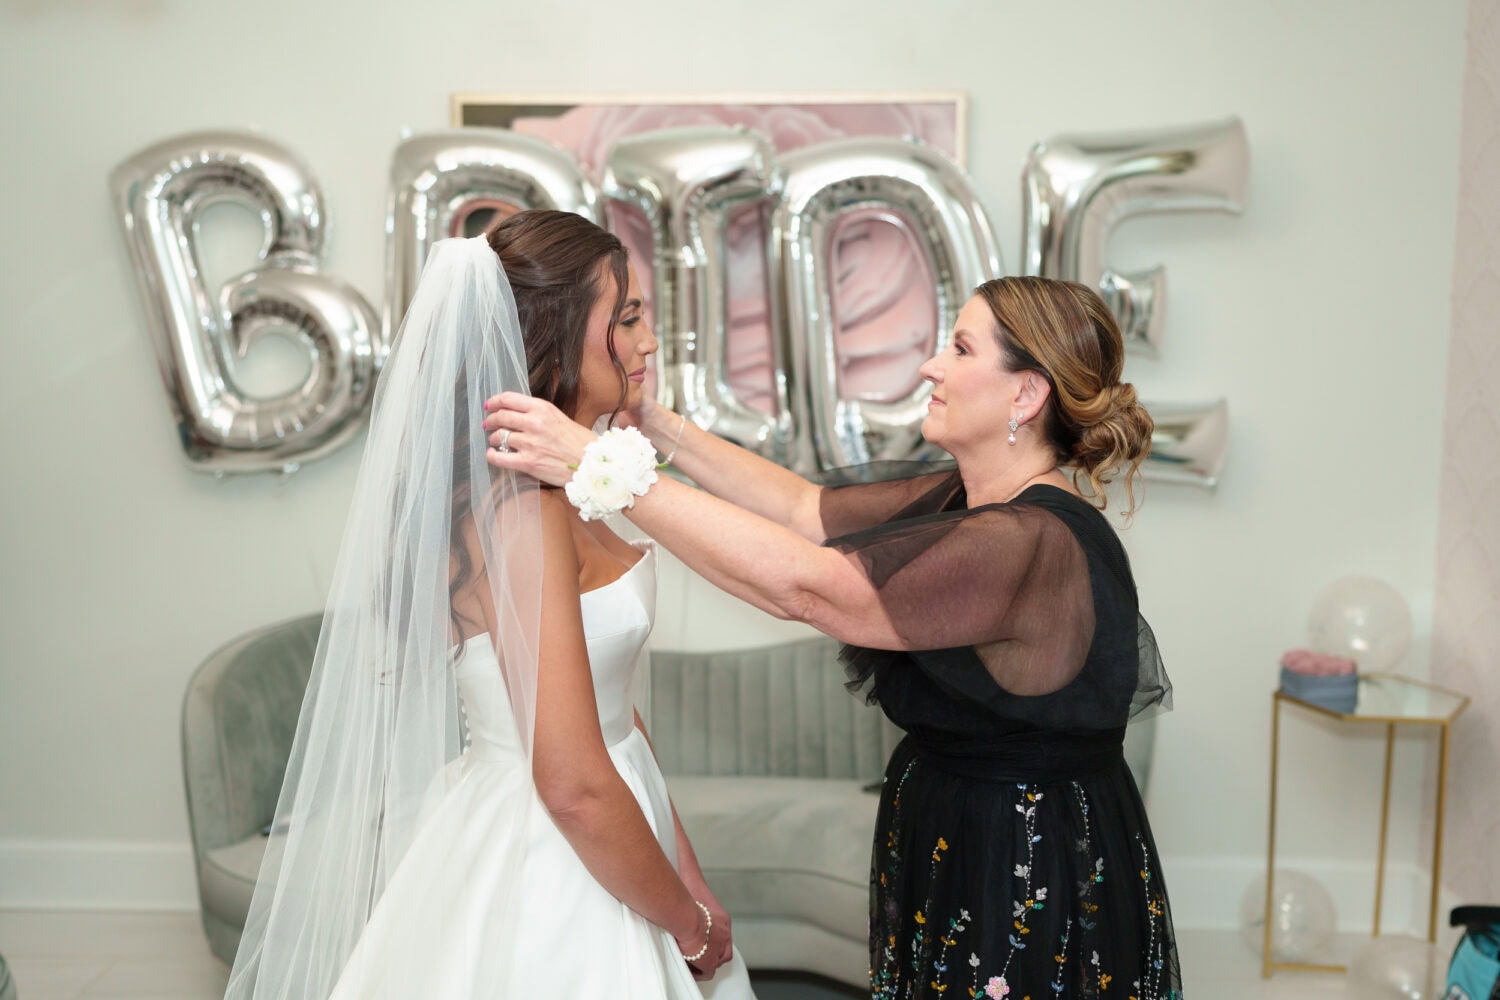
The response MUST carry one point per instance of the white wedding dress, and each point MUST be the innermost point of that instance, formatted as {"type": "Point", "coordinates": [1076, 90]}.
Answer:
{"type": "Point", "coordinates": [458, 921]}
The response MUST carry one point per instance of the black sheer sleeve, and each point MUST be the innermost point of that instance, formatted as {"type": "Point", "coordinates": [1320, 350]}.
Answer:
{"type": "Point", "coordinates": [860, 505]}
{"type": "Point", "coordinates": [1009, 581]}
{"type": "Point", "coordinates": [1026, 609]}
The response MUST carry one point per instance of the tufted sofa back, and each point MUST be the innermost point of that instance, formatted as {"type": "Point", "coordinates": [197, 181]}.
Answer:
{"type": "Point", "coordinates": [783, 711]}
{"type": "Point", "coordinates": [779, 711]}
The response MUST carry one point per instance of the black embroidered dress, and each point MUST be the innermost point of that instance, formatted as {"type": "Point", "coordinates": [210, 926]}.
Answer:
{"type": "Point", "coordinates": [1012, 856]}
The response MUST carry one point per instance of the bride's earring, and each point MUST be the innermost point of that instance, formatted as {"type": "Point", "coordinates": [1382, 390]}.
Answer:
{"type": "Point", "coordinates": [1012, 425]}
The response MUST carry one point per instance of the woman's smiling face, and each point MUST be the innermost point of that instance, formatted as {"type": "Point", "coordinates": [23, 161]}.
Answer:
{"type": "Point", "coordinates": [973, 396]}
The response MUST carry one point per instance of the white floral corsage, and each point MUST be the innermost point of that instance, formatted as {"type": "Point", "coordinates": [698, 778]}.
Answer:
{"type": "Point", "coordinates": [617, 466]}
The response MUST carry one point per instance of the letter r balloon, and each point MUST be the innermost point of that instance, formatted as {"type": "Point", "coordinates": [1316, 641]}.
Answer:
{"type": "Point", "coordinates": [439, 177]}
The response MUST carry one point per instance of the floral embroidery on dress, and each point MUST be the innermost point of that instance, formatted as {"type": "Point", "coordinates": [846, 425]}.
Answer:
{"type": "Point", "coordinates": [1156, 908]}
{"type": "Point", "coordinates": [921, 952]}
{"type": "Point", "coordinates": [884, 981]}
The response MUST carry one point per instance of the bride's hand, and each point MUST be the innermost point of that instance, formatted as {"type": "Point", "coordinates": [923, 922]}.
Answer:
{"type": "Point", "coordinates": [540, 440]}
{"type": "Point", "coordinates": [705, 895]}
{"type": "Point", "coordinates": [719, 947]}
{"type": "Point", "coordinates": [726, 948]}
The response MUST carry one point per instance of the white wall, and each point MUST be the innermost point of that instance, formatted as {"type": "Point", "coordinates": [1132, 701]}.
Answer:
{"type": "Point", "coordinates": [1321, 314]}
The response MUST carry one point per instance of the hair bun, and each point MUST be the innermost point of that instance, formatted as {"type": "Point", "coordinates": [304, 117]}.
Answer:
{"type": "Point", "coordinates": [1119, 438]}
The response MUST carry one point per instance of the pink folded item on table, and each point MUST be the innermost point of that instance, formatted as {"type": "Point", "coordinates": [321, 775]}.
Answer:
{"type": "Point", "coordinates": [1305, 661]}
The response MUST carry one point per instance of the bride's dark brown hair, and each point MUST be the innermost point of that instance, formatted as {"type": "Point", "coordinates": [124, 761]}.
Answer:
{"type": "Point", "coordinates": [558, 265]}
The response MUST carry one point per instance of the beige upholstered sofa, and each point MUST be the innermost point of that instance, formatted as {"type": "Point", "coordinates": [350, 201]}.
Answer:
{"type": "Point", "coordinates": [769, 759]}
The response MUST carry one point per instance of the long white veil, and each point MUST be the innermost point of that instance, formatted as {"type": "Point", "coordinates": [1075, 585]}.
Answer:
{"type": "Point", "coordinates": [380, 717]}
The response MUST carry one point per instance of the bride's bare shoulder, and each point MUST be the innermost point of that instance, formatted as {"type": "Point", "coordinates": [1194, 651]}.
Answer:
{"type": "Point", "coordinates": [557, 514]}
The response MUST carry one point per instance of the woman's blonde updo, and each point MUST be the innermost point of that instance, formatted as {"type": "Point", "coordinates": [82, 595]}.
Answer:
{"type": "Point", "coordinates": [1063, 331]}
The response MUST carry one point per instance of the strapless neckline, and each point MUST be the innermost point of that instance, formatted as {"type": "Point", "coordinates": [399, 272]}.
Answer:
{"type": "Point", "coordinates": [647, 549]}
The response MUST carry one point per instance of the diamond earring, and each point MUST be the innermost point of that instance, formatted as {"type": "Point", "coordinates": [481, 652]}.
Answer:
{"type": "Point", "coordinates": [1012, 425]}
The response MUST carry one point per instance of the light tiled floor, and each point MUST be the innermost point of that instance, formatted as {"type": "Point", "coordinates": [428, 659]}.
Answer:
{"type": "Point", "coordinates": [66, 956]}
{"type": "Point", "coordinates": [163, 956]}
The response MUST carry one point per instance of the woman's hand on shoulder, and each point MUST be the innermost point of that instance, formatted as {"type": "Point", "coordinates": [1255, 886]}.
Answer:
{"type": "Point", "coordinates": [538, 438]}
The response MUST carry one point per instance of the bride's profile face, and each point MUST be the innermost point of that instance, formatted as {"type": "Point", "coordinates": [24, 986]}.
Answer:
{"type": "Point", "coordinates": [598, 376]}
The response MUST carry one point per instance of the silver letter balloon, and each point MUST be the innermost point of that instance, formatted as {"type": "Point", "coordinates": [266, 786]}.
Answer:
{"type": "Point", "coordinates": [819, 186]}
{"type": "Point", "coordinates": [439, 178]}
{"type": "Point", "coordinates": [1077, 189]}
{"type": "Point", "coordinates": [161, 194]}
{"type": "Point", "coordinates": [687, 183]}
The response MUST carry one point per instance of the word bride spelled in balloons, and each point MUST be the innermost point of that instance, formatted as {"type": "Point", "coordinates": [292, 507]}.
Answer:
{"type": "Point", "coordinates": [686, 183]}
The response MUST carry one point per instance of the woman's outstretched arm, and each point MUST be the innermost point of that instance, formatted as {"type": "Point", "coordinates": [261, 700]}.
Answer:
{"type": "Point", "coordinates": [756, 558]}
{"type": "Point", "coordinates": [726, 470]}
{"type": "Point", "coordinates": [987, 579]}
{"type": "Point", "coordinates": [575, 777]}
{"type": "Point", "coordinates": [765, 564]}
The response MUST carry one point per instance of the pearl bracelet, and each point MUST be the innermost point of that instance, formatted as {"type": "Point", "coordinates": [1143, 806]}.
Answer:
{"type": "Point", "coordinates": [707, 933]}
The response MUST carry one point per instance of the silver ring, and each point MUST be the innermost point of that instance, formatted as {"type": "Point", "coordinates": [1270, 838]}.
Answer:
{"type": "Point", "coordinates": [504, 439]}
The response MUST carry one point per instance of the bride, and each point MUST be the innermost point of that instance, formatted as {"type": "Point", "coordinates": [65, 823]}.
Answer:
{"type": "Point", "coordinates": [472, 807]}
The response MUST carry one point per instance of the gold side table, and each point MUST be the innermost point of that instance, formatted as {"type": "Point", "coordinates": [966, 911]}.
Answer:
{"type": "Point", "coordinates": [1392, 700]}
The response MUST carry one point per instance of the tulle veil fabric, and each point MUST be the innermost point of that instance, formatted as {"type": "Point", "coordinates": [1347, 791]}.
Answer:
{"type": "Point", "coordinates": [381, 716]}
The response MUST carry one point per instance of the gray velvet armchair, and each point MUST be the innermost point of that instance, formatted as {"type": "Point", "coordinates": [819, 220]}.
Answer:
{"type": "Point", "coordinates": [238, 719]}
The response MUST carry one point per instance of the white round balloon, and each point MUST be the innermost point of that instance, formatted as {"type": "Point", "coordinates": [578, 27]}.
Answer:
{"type": "Point", "coordinates": [1364, 619]}
{"type": "Point", "coordinates": [1398, 967]}
{"type": "Point", "coordinates": [1302, 917]}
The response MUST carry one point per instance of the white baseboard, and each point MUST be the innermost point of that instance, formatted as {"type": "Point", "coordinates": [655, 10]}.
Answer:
{"type": "Point", "coordinates": [1206, 892]}
{"type": "Point", "coordinates": [96, 875]}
